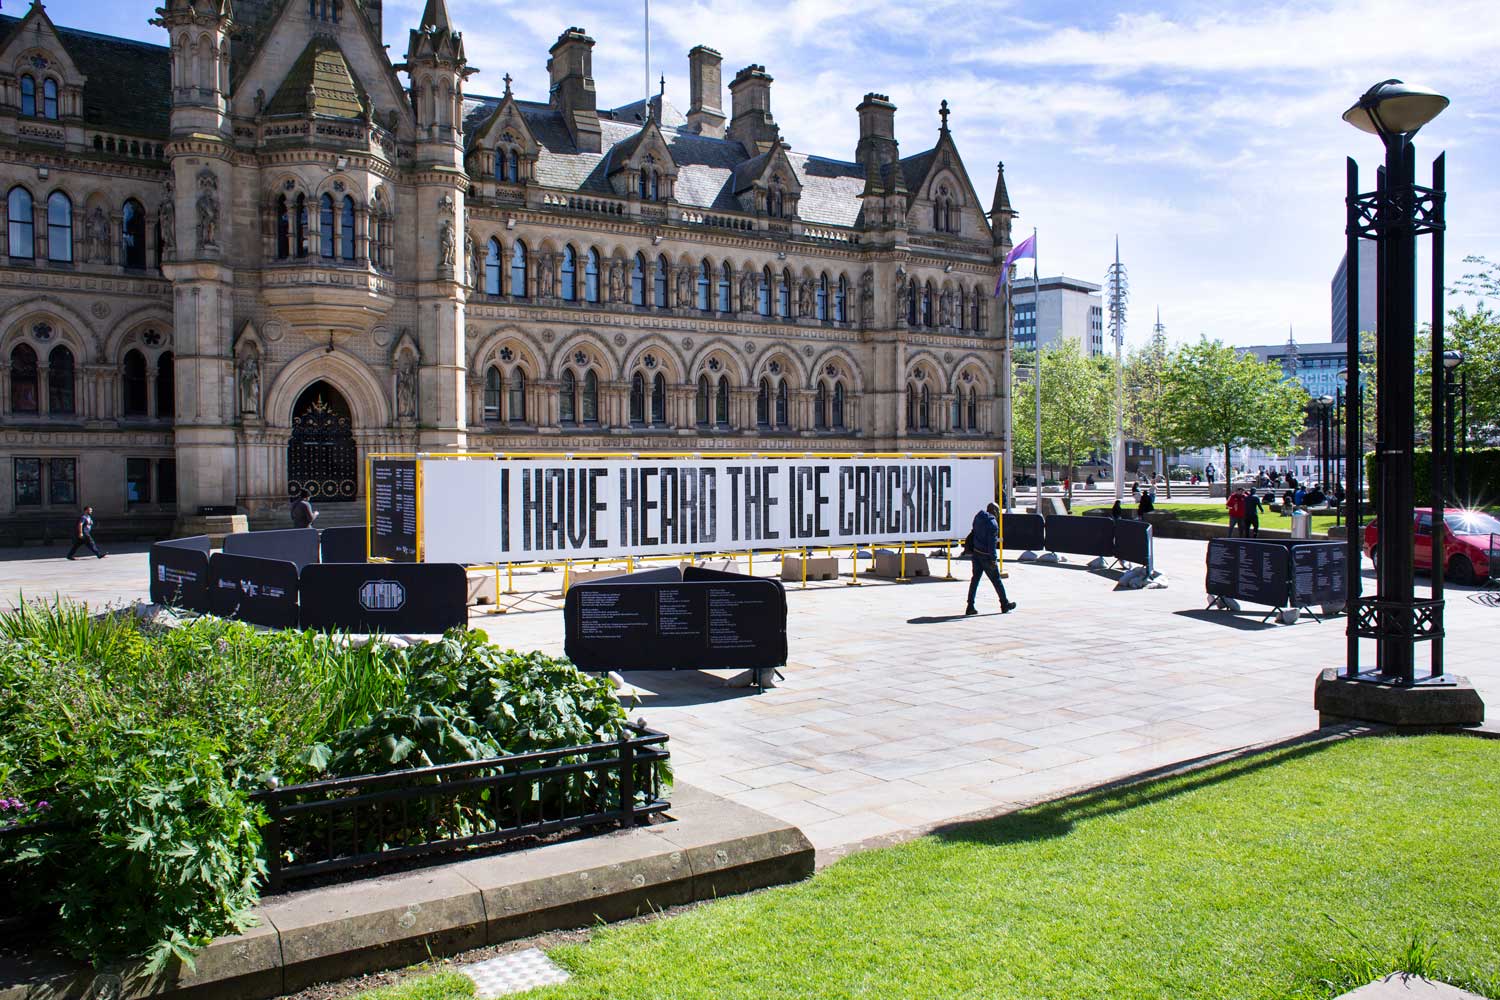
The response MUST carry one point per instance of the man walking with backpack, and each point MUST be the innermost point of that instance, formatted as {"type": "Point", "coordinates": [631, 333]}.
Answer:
{"type": "Point", "coordinates": [983, 547]}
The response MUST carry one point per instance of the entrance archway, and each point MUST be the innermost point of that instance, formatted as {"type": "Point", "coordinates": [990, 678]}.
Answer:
{"type": "Point", "coordinates": [322, 460]}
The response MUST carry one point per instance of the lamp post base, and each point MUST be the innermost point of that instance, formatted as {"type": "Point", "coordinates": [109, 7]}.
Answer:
{"type": "Point", "coordinates": [1439, 702]}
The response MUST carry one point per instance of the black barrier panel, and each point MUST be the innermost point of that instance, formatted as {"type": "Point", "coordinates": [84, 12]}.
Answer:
{"type": "Point", "coordinates": [1133, 543]}
{"type": "Point", "coordinates": [342, 545]}
{"type": "Point", "coordinates": [385, 597]}
{"type": "Point", "coordinates": [1078, 535]}
{"type": "Point", "coordinates": [1024, 531]}
{"type": "Point", "coordinates": [298, 546]}
{"type": "Point", "coordinates": [1318, 574]}
{"type": "Point", "coordinates": [706, 621]}
{"type": "Point", "coordinates": [179, 573]}
{"type": "Point", "coordinates": [260, 591]}
{"type": "Point", "coordinates": [393, 505]}
{"type": "Point", "coordinates": [1258, 572]}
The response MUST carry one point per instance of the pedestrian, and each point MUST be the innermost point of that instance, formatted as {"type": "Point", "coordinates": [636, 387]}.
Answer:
{"type": "Point", "coordinates": [1236, 504]}
{"type": "Point", "coordinates": [1090, 482]}
{"type": "Point", "coordinates": [1117, 511]}
{"type": "Point", "coordinates": [83, 534]}
{"type": "Point", "coordinates": [303, 514]}
{"type": "Point", "coordinates": [1209, 472]}
{"type": "Point", "coordinates": [982, 542]}
{"type": "Point", "coordinates": [1147, 504]}
{"type": "Point", "coordinates": [1252, 514]}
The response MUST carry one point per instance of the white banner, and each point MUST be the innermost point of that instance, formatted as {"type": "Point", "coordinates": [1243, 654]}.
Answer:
{"type": "Point", "coordinates": [491, 510]}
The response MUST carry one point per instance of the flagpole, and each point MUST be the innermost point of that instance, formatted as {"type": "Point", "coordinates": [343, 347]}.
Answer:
{"type": "Point", "coordinates": [1008, 483]}
{"type": "Point", "coordinates": [1036, 343]}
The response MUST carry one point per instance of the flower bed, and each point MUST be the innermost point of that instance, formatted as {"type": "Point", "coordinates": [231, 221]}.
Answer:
{"type": "Point", "coordinates": [163, 755]}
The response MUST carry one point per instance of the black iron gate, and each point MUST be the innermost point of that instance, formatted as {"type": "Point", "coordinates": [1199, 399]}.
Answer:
{"type": "Point", "coordinates": [322, 460]}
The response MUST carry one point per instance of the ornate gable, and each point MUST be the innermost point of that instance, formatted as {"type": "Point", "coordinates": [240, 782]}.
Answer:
{"type": "Point", "coordinates": [37, 73]}
{"type": "Point", "coordinates": [504, 146]}
{"type": "Point", "coordinates": [942, 199]}
{"type": "Point", "coordinates": [646, 157]}
{"type": "Point", "coordinates": [768, 183]}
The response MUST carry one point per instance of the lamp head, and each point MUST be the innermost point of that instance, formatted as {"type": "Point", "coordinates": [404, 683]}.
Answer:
{"type": "Point", "coordinates": [1326, 400]}
{"type": "Point", "coordinates": [1394, 108]}
{"type": "Point", "coordinates": [1452, 359]}
{"type": "Point", "coordinates": [1343, 375]}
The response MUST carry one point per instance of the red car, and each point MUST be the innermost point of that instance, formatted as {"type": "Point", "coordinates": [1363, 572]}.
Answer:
{"type": "Point", "coordinates": [1467, 544]}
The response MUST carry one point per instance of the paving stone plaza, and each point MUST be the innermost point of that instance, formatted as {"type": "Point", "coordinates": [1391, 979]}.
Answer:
{"type": "Point", "coordinates": [896, 713]}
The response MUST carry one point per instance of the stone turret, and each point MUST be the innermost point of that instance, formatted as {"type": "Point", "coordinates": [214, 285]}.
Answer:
{"type": "Point", "coordinates": [570, 69]}
{"type": "Point", "coordinates": [706, 90]}
{"type": "Point", "coordinates": [751, 122]}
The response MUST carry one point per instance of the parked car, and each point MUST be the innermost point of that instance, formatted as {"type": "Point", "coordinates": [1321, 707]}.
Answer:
{"type": "Point", "coordinates": [1466, 544]}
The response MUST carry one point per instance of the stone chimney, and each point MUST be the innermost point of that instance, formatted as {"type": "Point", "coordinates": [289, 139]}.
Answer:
{"type": "Point", "coordinates": [571, 71]}
{"type": "Point", "coordinates": [751, 122]}
{"type": "Point", "coordinates": [877, 132]}
{"type": "Point", "coordinates": [706, 75]}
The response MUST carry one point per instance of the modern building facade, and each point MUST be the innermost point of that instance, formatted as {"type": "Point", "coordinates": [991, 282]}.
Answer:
{"type": "Point", "coordinates": [238, 263]}
{"type": "Point", "coordinates": [1339, 293]}
{"type": "Point", "coordinates": [1059, 309]}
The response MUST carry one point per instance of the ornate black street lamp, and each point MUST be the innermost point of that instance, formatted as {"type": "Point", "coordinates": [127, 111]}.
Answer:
{"type": "Point", "coordinates": [1394, 215]}
{"type": "Point", "coordinates": [1457, 398]}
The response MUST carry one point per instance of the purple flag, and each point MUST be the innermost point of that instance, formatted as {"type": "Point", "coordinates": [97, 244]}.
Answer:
{"type": "Point", "coordinates": [1025, 248]}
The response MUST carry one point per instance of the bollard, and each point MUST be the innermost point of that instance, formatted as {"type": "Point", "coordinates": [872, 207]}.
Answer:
{"type": "Point", "coordinates": [854, 561]}
{"type": "Point", "coordinates": [804, 569]}
{"type": "Point", "coordinates": [901, 573]}
{"type": "Point", "coordinates": [500, 609]}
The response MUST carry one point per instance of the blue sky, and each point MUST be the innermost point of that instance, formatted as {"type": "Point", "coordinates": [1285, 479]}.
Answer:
{"type": "Point", "coordinates": [1207, 135]}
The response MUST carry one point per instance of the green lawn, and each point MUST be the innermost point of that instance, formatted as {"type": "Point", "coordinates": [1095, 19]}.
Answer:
{"type": "Point", "coordinates": [1297, 874]}
{"type": "Point", "coordinates": [1217, 513]}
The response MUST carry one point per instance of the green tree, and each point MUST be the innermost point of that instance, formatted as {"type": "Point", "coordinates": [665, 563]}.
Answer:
{"type": "Point", "coordinates": [1077, 405]}
{"type": "Point", "coordinates": [1147, 416]}
{"type": "Point", "coordinates": [1218, 398]}
{"type": "Point", "coordinates": [1477, 335]}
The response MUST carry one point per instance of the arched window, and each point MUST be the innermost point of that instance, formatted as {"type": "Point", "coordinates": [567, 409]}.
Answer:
{"type": "Point", "coordinates": [726, 278]}
{"type": "Point", "coordinates": [781, 404]}
{"type": "Point", "coordinates": [135, 384]}
{"type": "Point", "coordinates": [702, 409]}
{"type": "Point", "coordinates": [644, 185]}
{"type": "Point", "coordinates": [283, 229]}
{"type": "Point", "coordinates": [911, 407]}
{"type": "Point", "coordinates": [133, 233]}
{"type": "Point", "coordinates": [59, 227]}
{"type": "Point", "coordinates": [979, 312]}
{"type": "Point", "coordinates": [569, 274]}
{"type": "Point", "coordinates": [492, 260]}
{"type": "Point", "coordinates": [325, 226]}
{"type": "Point", "coordinates": [518, 270]}
{"type": "Point", "coordinates": [659, 400]}
{"type": "Point", "coordinates": [22, 224]}
{"type": "Point", "coordinates": [24, 397]}
{"type": "Point", "coordinates": [638, 399]}
{"type": "Point", "coordinates": [721, 402]}
{"type": "Point", "coordinates": [346, 229]}
{"type": "Point", "coordinates": [492, 392]}
{"type": "Point", "coordinates": [515, 397]}
{"type": "Point", "coordinates": [838, 405]}
{"type": "Point", "coordinates": [958, 410]}
{"type": "Point", "coordinates": [820, 408]}
{"type": "Point", "coordinates": [911, 302]}
{"type": "Point", "coordinates": [784, 295]}
{"type": "Point", "coordinates": [927, 304]}
{"type": "Point", "coordinates": [659, 280]}
{"type": "Point", "coordinates": [507, 165]}
{"type": "Point", "coordinates": [28, 96]}
{"type": "Point", "coordinates": [567, 398]}
{"type": "Point", "coordinates": [638, 281]}
{"type": "Point", "coordinates": [822, 298]}
{"type": "Point", "coordinates": [590, 397]}
{"type": "Point", "coordinates": [166, 386]}
{"type": "Point", "coordinates": [705, 286]}
{"type": "Point", "coordinates": [301, 226]}
{"type": "Point", "coordinates": [591, 276]}
{"type": "Point", "coordinates": [973, 410]}
{"type": "Point", "coordinates": [924, 416]}
{"type": "Point", "coordinates": [841, 301]}
{"type": "Point", "coordinates": [763, 293]}
{"type": "Point", "coordinates": [961, 308]}
{"type": "Point", "coordinates": [763, 404]}
{"type": "Point", "coordinates": [655, 186]}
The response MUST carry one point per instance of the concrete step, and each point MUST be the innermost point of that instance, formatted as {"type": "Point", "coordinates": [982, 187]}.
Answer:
{"type": "Point", "coordinates": [334, 515]}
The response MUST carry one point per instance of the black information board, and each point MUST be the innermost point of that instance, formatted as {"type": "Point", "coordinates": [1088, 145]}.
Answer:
{"type": "Point", "coordinates": [342, 545]}
{"type": "Point", "coordinates": [393, 508]}
{"type": "Point", "coordinates": [1223, 567]}
{"type": "Point", "coordinates": [1319, 574]}
{"type": "Point", "coordinates": [1258, 572]}
{"type": "Point", "coordinates": [385, 597]}
{"type": "Point", "coordinates": [298, 546]}
{"type": "Point", "coordinates": [1076, 534]}
{"type": "Point", "coordinates": [662, 620]}
{"type": "Point", "coordinates": [1023, 531]}
{"type": "Point", "coordinates": [179, 573]}
{"type": "Point", "coordinates": [1133, 542]}
{"type": "Point", "coordinates": [252, 589]}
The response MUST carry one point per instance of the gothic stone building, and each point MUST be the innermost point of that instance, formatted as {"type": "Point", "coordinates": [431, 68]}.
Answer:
{"type": "Point", "coordinates": [237, 264]}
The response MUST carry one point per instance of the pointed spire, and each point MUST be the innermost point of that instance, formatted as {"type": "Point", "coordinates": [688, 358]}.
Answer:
{"type": "Point", "coordinates": [435, 17]}
{"type": "Point", "coordinates": [1001, 202]}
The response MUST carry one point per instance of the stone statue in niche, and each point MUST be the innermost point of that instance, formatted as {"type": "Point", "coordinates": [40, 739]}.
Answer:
{"type": "Point", "coordinates": [747, 291]}
{"type": "Point", "coordinates": [684, 287]}
{"type": "Point", "coordinates": [96, 229]}
{"type": "Point", "coordinates": [167, 216]}
{"type": "Point", "coordinates": [406, 387]}
{"type": "Point", "coordinates": [900, 290]}
{"type": "Point", "coordinates": [945, 308]}
{"type": "Point", "coordinates": [616, 280]}
{"type": "Point", "coordinates": [471, 258]}
{"type": "Point", "coordinates": [867, 295]}
{"type": "Point", "coordinates": [805, 298]}
{"type": "Point", "coordinates": [208, 211]}
{"type": "Point", "coordinates": [447, 244]}
{"type": "Point", "coordinates": [249, 381]}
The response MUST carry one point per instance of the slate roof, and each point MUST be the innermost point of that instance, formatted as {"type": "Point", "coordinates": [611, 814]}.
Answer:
{"type": "Point", "coordinates": [129, 83]}
{"type": "Point", "coordinates": [322, 66]}
{"type": "Point", "coordinates": [706, 168]}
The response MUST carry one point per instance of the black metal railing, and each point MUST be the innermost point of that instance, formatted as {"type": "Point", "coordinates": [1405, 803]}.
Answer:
{"type": "Point", "coordinates": [372, 821]}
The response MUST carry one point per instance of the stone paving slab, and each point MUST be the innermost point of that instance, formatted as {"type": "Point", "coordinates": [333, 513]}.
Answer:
{"type": "Point", "coordinates": [1400, 986]}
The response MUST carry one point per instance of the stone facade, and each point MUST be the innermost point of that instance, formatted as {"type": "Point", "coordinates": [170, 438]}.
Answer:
{"type": "Point", "coordinates": [235, 265]}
